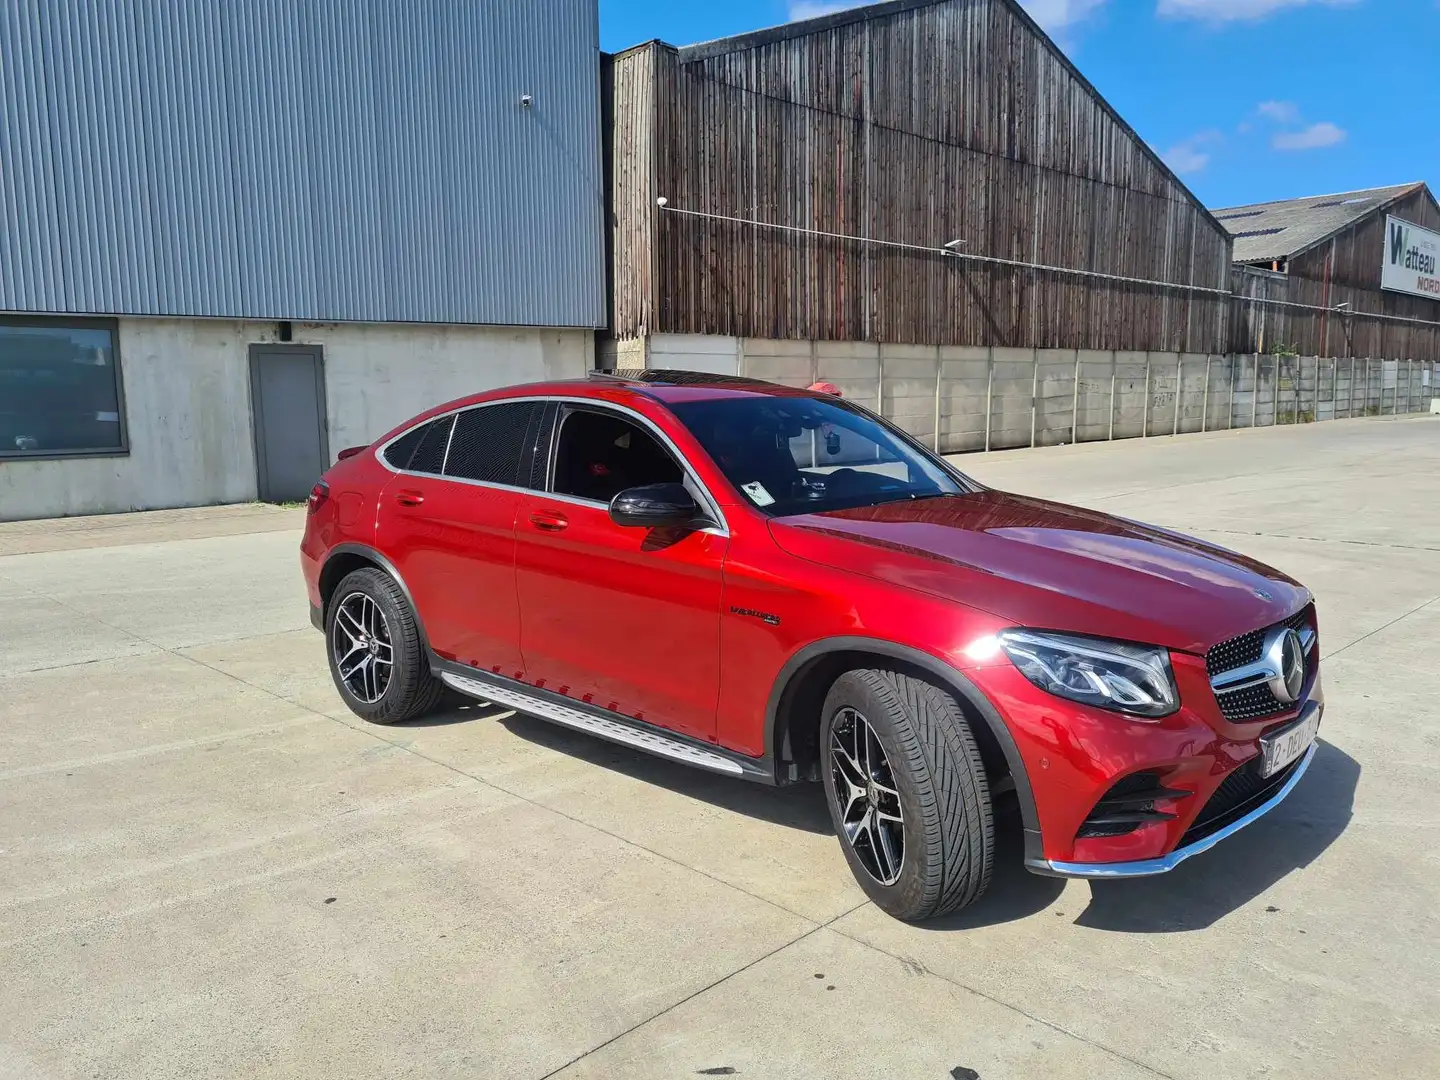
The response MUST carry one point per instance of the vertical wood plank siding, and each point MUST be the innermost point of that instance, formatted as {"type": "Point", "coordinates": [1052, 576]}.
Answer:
{"type": "Point", "coordinates": [923, 125]}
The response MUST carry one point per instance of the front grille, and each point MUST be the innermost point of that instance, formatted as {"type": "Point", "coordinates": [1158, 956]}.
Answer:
{"type": "Point", "coordinates": [1239, 793]}
{"type": "Point", "coordinates": [1250, 703]}
{"type": "Point", "coordinates": [1253, 702]}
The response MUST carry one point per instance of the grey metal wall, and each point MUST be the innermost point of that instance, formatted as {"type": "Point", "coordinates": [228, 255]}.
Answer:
{"type": "Point", "coordinates": [329, 160]}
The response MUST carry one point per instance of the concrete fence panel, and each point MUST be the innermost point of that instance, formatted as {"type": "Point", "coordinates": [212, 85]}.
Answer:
{"type": "Point", "coordinates": [964, 394]}
{"type": "Point", "coordinates": [964, 398]}
{"type": "Point", "coordinates": [908, 388]}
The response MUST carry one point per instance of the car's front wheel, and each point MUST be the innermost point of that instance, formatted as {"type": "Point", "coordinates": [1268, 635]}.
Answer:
{"type": "Point", "coordinates": [377, 657]}
{"type": "Point", "coordinates": [907, 792]}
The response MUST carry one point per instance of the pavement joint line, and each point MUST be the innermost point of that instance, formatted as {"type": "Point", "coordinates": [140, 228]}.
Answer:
{"type": "Point", "coordinates": [1378, 629]}
{"type": "Point", "coordinates": [1308, 467]}
{"type": "Point", "coordinates": [996, 1001]}
{"type": "Point", "coordinates": [426, 757]}
{"type": "Point", "coordinates": [137, 752]}
{"type": "Point", "coordinates": [827, 924]}
{"type": "Point", "coordinates": [1315, 539]}
{"type": "Point", "coordinates": [493, 785]}
{"type": "Point", "coordinates": [703, 990]}
{"type": "Point", "coordinates": [216, 888]}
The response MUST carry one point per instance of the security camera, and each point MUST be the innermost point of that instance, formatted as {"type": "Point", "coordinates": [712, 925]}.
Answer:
{"type": "Point", "coordinates": [525, 100]}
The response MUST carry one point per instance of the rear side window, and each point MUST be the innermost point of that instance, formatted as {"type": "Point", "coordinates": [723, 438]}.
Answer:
{"type": "Point", "coordinates": [490, 442]}
{"type": "Point", "coordinates": [398, 453]}
{"type": "Point", "coordinates": [429, 454]}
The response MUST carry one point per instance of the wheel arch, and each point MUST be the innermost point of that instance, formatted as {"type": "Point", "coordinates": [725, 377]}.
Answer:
{"type": "Point", "coordinates": [345, 559]}
{"type": "Point", "coordinates": [799, 691]}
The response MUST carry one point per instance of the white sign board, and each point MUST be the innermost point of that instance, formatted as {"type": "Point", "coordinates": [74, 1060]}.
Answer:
{"type": "Point", "coordinates": [1412, 259]}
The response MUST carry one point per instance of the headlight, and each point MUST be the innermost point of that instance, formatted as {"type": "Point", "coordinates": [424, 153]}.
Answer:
{"type": "Point", "coordinates": [1131, 679]}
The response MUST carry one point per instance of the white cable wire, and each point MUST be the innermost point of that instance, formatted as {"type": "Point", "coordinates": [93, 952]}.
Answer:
{"type": "Point", "coordinates": [664, 205]}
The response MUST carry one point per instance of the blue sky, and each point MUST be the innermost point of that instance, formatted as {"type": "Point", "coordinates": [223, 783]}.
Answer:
{"type": "Point", "coordinates": [1248, 100]}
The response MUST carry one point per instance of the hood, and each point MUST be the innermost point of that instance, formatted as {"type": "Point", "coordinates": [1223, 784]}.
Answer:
{"type": "Point", "coordinates": [1050, 566]}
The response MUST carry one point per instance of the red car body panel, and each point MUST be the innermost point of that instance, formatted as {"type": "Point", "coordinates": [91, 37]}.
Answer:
{"type": "Point", "coordinates": [697, 633]}
{"type": "Point", "coordinates": [455, 548]}
{"type": "Point", "coordinates": [617, 619]}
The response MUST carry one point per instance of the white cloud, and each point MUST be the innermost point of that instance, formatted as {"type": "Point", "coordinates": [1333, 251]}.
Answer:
{"type": "Point", "coordinates": [1232, 10]}
{"type": "Point", "coordinates": [1054, 15]}
{"type": "Point", "coordinates": [1282, 112]}
{"type": "Point", "coordinates": [1311, 138]}
{"type": "Point", "coordinates": [1192, 154]}
{"type": "Point", "coordinates": [813, 9]}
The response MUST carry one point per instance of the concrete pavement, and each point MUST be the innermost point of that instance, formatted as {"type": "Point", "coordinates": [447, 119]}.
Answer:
{"type": "Point", "coordinates": [209, 867]}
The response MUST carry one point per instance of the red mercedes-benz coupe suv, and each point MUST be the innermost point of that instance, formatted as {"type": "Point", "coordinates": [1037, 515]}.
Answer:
{"type": "Point", "coordinates": [779, 585]}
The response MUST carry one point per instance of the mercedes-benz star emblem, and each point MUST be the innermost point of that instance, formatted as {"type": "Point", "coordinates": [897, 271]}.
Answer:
{"type": "Point", "coordinates": [1285, 656]}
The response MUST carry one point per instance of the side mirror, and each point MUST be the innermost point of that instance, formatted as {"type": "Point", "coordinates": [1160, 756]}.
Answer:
{"type": "Point", "coordinates": [654, 506]}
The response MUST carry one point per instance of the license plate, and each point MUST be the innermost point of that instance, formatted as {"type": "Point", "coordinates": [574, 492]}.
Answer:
{"type": "Point", "coordinates": [1282, 747]}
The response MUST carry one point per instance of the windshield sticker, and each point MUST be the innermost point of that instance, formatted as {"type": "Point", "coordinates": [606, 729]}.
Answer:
{"type": "Point", "coordinates": [758, 495]}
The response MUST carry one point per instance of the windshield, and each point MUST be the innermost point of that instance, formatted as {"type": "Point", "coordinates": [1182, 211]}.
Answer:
{"type": "Point", "coordinates": [802, 455]}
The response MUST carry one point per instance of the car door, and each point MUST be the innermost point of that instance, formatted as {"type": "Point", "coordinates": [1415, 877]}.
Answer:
{"type": "Point", "coordinates": [624, 618]}
{"type": "Point", "coordinates": [447, 522]}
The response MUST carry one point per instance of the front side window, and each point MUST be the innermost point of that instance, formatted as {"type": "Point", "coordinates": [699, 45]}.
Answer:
{"type": "Point", "coordinates": [599, 454]}
{"type": "Point", "coordinates": [801, 455]}
{"type": "Point", "coordinates": [59, 390]}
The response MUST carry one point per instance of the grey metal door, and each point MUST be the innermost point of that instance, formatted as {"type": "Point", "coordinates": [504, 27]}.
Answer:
{"type": "Point", "coordinates": [287, 387]}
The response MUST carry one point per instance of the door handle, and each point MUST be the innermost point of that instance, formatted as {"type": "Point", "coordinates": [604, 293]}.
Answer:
{"type": "Point", "coordinates": [409, 497]}
{"type": "Point", "coordinates": [549, 520]}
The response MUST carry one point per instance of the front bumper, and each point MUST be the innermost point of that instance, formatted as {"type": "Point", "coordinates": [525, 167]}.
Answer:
{"type": "Point", "coordinates": [1073, 756]}
{"type": "Point", "coordinates": [1166, 863]}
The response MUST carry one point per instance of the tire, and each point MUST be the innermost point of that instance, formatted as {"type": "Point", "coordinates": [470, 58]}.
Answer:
{"type": "Point", "coordinates": [937, 780]}
{"type": "Point", "coordinates": [408, 690]}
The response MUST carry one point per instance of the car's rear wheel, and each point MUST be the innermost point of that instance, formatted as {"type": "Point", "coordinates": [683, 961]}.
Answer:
{"type": "Point", "coordinates": [907, 792]}
{"type": "Point", "coordinates": [376, 656]}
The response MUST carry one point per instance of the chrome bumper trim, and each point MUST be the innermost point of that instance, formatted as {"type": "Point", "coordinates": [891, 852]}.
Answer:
{"type": "Point", "coordinates": [1166, 863]}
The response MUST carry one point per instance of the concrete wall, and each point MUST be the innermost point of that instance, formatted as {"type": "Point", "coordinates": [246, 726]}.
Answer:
{"type": "Point", "coordinates": [377, 376]}
{"type": "Point", "coordinates": [187, 403]}
{"type": "Point", "coordinates": [959, 398]}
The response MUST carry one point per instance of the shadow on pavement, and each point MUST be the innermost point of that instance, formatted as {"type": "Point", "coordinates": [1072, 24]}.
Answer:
{"type": "Point", "coordinates": [1195, 895]}
{"type": "Point", "coordinates": [456, 709]}
{"type": "Point", "coordinates": [1014, 892]}
{"type": "Point", "coordinates": [1202, 890]}
{"type": "Point", "coordinates": [800, 806]}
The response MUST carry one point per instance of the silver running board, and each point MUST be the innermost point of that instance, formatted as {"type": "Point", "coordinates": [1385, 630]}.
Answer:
{"type": "Point", "coordinates": [652, 742]}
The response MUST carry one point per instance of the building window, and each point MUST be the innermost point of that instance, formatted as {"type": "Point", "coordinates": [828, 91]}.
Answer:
{"type": "Point", "coordinates": [60, 388]}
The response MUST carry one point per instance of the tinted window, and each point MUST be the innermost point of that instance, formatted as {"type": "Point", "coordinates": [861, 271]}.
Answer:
{"type": "Point", "coordinates": [599, 455]}
{"type": "Point", "coordinates": [430, 453]}
{"type": "Point", "coordinates": [490, 442]}
{"type": "Point", "coordinates": [59, 390]}
{"type": "Point", "coordinates": [800, 455]}
{"type": "Point", "coordinates": [399, 453]}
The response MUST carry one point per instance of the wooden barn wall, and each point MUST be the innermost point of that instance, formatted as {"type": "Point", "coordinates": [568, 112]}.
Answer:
{"type": "Point", "coordinates": [1354, 263]}
{"type": "Point", "coordinates": [944, 122]}
{"type": "Point", "coordinates": [628, 87]}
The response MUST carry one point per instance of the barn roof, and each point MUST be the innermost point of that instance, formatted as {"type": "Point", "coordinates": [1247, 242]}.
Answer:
{"type": "Point", "coordinates": [1277, 230]}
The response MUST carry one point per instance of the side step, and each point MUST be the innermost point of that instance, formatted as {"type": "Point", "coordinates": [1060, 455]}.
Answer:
{"type": "Point", "coordinates": [617, 730]}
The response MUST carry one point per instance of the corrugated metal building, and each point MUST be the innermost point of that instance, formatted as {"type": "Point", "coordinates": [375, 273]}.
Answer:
{"type": "Point", "coordinates": [814, 174]}
{"type": "Point", "coordinates": [235, 237]}
{"type": "Point", "coordinates": [1317, 264]}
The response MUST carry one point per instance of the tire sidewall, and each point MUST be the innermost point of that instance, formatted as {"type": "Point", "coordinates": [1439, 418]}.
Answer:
{"type": "Point", "coordinates": [906, 895]}
{"type": "Point", "coordinates": [362, 581]}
